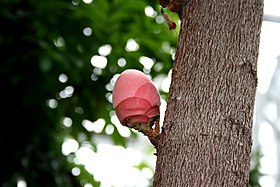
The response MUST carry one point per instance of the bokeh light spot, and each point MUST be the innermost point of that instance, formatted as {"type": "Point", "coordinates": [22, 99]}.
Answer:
{"type": "Point", "coordinates": [99, 61]}
{"type": "Point", "coordinates": [105, 50]}
{"type": "Point", "coordinates": [131, 45]}
{"type": "Point", "coordinates": [69, 146]}
{"type": "Point", "coordinates": [87, 31]}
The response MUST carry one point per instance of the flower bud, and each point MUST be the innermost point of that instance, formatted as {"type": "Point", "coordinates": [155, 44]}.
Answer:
{"type": "Point", "coordinates": [135, 98]}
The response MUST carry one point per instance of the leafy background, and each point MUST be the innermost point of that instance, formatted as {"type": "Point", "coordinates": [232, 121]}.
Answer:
{"type": "Point", "coordinates": [45, 42]}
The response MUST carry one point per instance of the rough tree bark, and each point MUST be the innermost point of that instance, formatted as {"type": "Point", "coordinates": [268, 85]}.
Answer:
{"type": "Point", "coordinates": [207, 133]}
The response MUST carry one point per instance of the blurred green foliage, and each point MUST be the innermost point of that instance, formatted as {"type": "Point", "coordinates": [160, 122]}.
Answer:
{"type": "Point", "coordinates": [42, 40]}
{"type": "Point", "coordinates": [255, 173]}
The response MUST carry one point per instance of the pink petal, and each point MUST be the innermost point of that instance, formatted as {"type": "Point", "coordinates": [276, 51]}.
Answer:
{"type": "Point", "coordinates": [152, 112]}
{"type": "Point", "coordinates": [132, 106]}
{"type": "Point", "coordinates": [149, 92]}
{"type": "Point", "coordinates": [127, 84]}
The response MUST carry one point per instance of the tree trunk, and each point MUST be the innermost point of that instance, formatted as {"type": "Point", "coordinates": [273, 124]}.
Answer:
{"type": "Point", "coordinates": [207, 133]}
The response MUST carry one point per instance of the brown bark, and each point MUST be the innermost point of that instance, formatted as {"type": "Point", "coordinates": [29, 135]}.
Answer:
{"type": "Point", "coordinates": [207, 133]}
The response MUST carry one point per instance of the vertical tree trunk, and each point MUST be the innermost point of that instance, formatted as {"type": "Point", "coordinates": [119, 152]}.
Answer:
{"type": "Point", "coordinates": [207, 133]}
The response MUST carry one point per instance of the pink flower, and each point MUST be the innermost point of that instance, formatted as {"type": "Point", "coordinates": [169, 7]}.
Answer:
{"type": "Point", "coordinates": [135, 98]}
